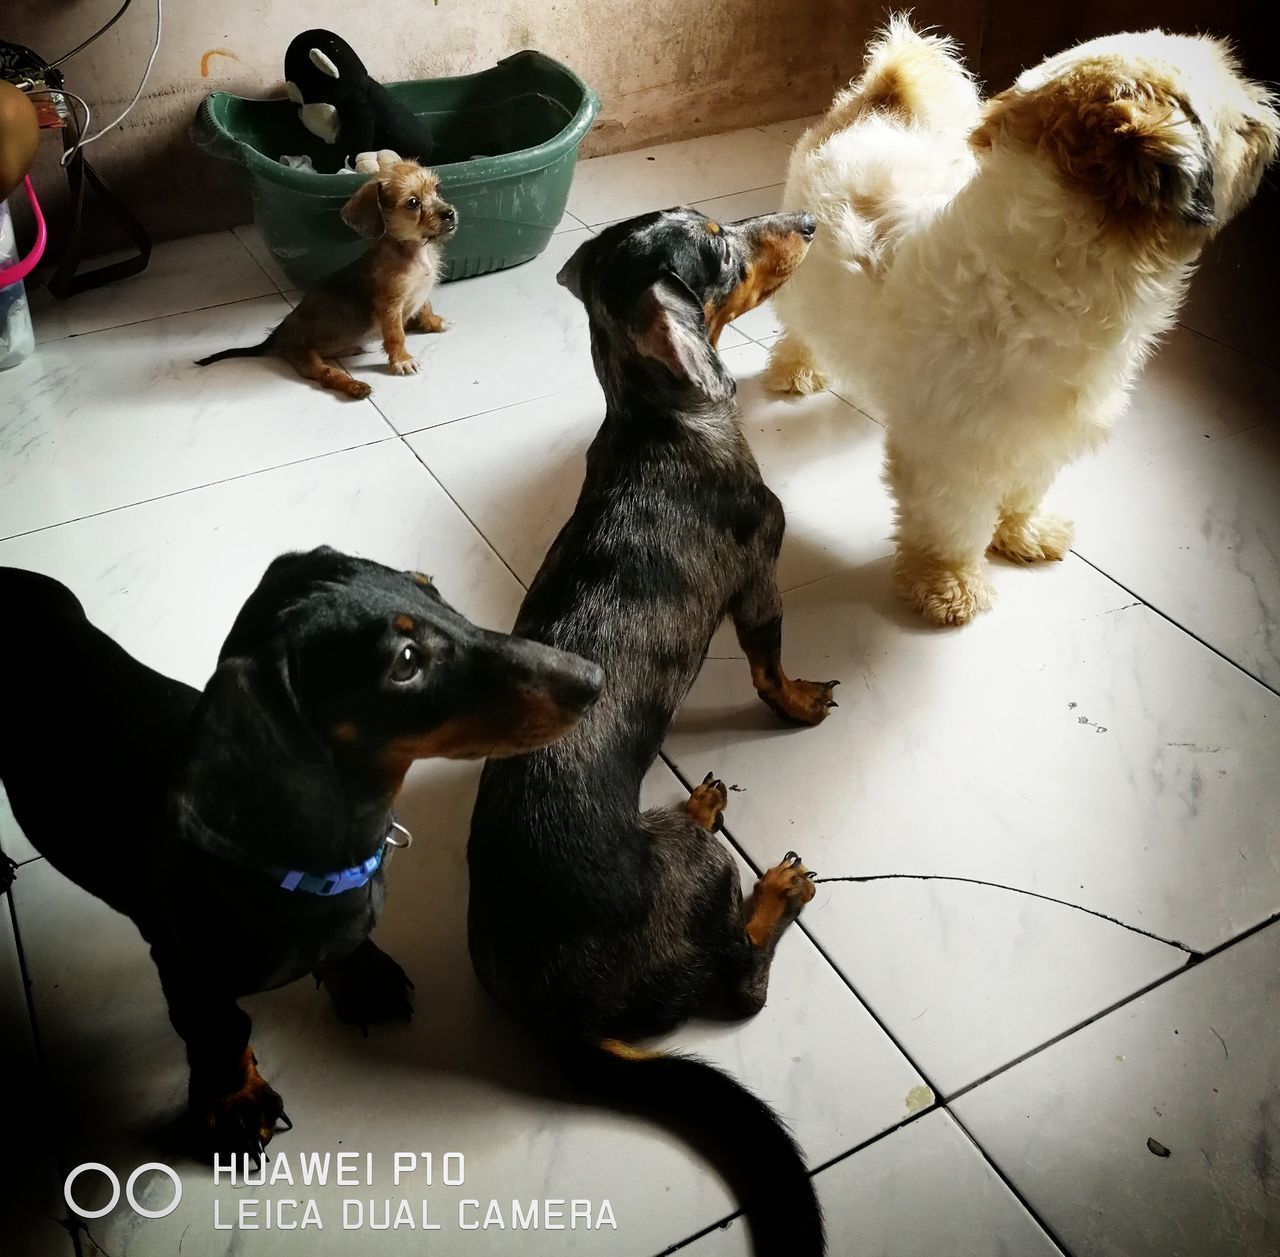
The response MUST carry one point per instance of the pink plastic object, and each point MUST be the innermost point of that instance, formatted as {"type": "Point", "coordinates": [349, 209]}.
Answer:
{"type": "Point", "coordinates": [24, 266]}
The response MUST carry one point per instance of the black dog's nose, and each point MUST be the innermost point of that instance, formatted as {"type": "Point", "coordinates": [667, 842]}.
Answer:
{"type": "Point", "coordinates": [577, 684]}
{"type": "Point", "coordinates": [807, 226]}
{"type": "Point", "coordinates": [449, 215]}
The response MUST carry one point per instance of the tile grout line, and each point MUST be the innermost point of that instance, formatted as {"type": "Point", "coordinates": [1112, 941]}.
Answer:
{"type": "Point", "coordinates": [963, 1091]}
{"type": "Point", "coordinates": [597, 227]}
{"type": "Point", "coordinates": [733, 842]}
{"type": "Point", "coordinates": [943, 1100]}
{"type": "Point", "coordinates": [1193, 963]}
{"type": "Point", "coordinates": [1182, 628]}
{"type": "Point", "coordinates": [391, 427]}
{"type": "Point", "coordinates": [493, 410]}
{"type": "Point", "coordinates": [195, 488]}
{"type": "Point", "coordinates": [938, 1107]}
{"type": "Point", "coordinates": [458, 506]}
{"type": "Point", "coordinates": [1033, 1214]}
{"type": "Point", "coordinates": [878, 1137]}
{"type": "Point", "coordinates": [37, 1042]}
{"type": "Point", "coordinates": [1224, 344]}
{"type": "Point", "coordinates": [157, 318]}
{"type": "Point", "coordinates": [256, 260]}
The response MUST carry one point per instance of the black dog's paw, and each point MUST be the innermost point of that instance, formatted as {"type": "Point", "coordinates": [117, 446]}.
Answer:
{"type": "Point", "coordinates": [239, 1123]}
{"type": "Point", "coordinates": [367, 987]}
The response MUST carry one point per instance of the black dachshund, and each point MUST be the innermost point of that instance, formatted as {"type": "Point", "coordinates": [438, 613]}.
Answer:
{"type": "Point", "coordinates": [591, 920]}
{"type": "Point", "coordinates": [243, 829]}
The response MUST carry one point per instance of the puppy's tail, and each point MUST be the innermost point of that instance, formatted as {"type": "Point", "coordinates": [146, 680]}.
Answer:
{"type": "Point", "coordinates": [747, 1140]}
{"type": "Point", "coordinates": [244, 351]}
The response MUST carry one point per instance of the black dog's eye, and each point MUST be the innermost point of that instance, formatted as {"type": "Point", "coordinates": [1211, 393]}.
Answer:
{"type": "Point", "coordinates": [407, 665]}
{"type": "Point", "coordinates": [413, 203]}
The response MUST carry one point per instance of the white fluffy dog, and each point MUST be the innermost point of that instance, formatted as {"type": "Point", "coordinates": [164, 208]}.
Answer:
{"type": "Point", "coordinates": [990, 277]}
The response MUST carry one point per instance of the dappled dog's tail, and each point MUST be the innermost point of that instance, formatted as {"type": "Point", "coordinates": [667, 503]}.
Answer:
{"type": "Point", "coordinates": [243, 351]}
{"type": "Point", "coordinates": [915, 79]}
{"type": "Point", "coordinates": [750, 1145]}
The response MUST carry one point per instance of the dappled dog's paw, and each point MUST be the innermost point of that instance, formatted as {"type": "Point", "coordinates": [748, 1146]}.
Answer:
{"type": "Point", "coordinates": [1032, 538]}
{"type": "Point", "coordinates": [790, 881]}
{"type": "Point", "coordinates": [801, 702]}
{"type": "Point", "coordinates": [707, 803]}
{"type": "Point", "coordinates": [357, 389]}
{"type": "Point", "coordinates": [406, 366]}
{"type": "Point", "coordinates": [778, 897]}
{"type": "Point", "coordinates": [368, 987]}
{"type": "Point", "coordinates": [239, 1122]}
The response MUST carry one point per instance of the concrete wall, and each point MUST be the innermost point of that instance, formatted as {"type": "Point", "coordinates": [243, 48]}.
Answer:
{"type": "Point", "coordinates": [665, 69]}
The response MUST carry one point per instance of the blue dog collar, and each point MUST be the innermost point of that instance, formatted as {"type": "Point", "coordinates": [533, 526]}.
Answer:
{"type": "Point", "coordinates": [344, 879]}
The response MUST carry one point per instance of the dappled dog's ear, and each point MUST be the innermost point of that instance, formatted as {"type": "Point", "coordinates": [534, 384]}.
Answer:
{"type": "Point", "coordinates": [363, 213]}
{"type": "Point", "coordinates": [1135, 145]}
{"type": "Point", "coordinates": [254, 780]}
{"type": "Point", "coordinates": [670, 326]}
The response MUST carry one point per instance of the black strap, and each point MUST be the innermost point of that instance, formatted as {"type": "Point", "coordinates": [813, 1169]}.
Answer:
{"type": "Point", "coordinates": [67, 279]}
{"type": "Point", "coordinates": [18, 64]}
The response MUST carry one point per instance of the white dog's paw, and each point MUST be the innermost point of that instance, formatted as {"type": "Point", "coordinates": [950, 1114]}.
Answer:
{"type": "Point", "coordinates": [406, 366]}
{"type": "Point", "coordinates": [941, 593]}
{"type": "Point", "coordinates": [791, 370]}
{"type": "Point", "coordinates": [1032, 538]}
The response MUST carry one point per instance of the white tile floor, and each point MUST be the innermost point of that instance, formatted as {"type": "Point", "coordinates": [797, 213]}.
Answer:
{"type": "Point", "coordinates": [972, 1070]}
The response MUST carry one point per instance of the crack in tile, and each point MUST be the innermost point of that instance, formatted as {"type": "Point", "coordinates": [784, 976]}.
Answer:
{"type": "Point", "coordinates": [1191, 952]}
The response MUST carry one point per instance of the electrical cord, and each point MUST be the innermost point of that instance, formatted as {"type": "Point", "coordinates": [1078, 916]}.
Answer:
{"type": "Point", "coordinates": [146, 74]}
{"type": "Point", "coordinates": [66, 56]}
{"type": "Point", "coordinates": [80, 100]}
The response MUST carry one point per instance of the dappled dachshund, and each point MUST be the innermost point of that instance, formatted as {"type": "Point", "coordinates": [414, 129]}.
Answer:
{"type": "Point", "coordinates": [385, 292]}
{"type": "Point", "coordinates": [243, 829]}
{"type": "Point", "coordinates": [589, 919]}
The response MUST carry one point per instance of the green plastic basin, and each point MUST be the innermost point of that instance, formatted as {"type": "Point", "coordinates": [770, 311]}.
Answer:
{"type": "Point", "coordinates": [507, 142]}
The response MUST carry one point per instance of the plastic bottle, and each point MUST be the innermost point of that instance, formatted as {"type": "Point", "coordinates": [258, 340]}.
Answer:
{"type": "Point", "coordinates": [17, 339]}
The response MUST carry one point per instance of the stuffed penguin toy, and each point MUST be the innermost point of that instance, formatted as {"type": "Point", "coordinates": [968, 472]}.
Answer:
{"type": "Point", "coordinates": [340, 103]}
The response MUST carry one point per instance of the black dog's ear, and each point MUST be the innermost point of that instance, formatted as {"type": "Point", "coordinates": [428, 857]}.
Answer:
{"type": "Point", "coordinates": [671, 327]}
{"type": "Point", "coordinates": [255, 782]}
{"type": "Point", "coordinates": [570, 275]}
{"type": "Point", "coordinates": [363, 213]}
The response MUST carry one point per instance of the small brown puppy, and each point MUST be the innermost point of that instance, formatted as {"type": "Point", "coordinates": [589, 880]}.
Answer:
{"type": "Point", "coordinates": [384, 292]}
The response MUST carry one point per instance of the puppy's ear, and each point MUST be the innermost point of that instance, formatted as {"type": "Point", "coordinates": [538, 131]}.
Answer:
{"type": "Point", "coordinates": [363, 213]}
{"type": "Point", "coordinates": [255, 783]}
{"type": "Point", "coordinates": [1133, 144]}
{"type": "Point", "coordinates": [670, 327]}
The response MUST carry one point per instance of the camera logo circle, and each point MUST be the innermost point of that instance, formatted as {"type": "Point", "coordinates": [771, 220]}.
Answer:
{"type": "Point", "coordinates": [130, 1184]}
